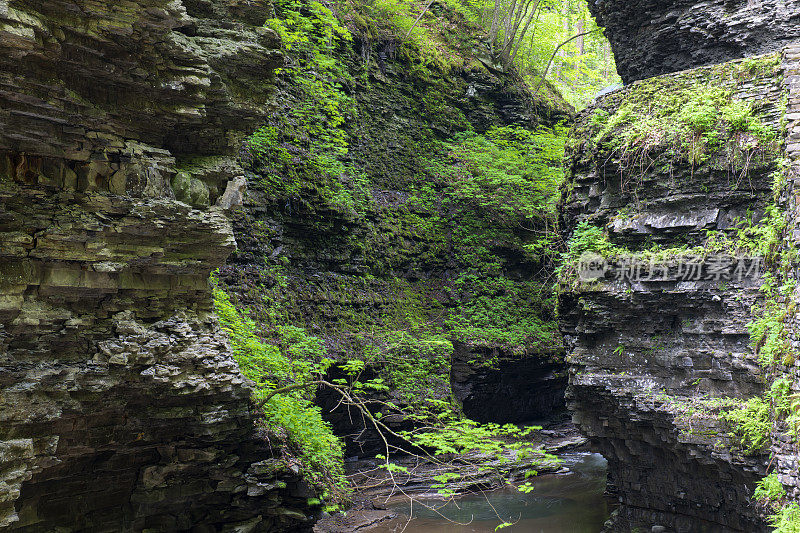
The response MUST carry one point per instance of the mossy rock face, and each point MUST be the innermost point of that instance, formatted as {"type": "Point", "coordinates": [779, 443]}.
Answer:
{"type": "Point", "coordinates": [394, 207]}
{"type": "Point", "coordinates": [709, 137]}
{"type": "Point", "coordinates": [669, 171]}
{"type": "Point", "coordinates": [106, 319]}
{"type": "Point", "coordinates": [190, 190]}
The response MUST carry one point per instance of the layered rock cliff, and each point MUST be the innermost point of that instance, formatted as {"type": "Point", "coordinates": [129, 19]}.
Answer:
{"type": "Point", "coordinates": [121, 407]}
{"type": "Point", "coordinates": [659, 353]}
{"type": "Point", "coordinates": [369, 231]}
{"type": "Point", "coordinates": [775, 332]}
{"type": "Point", "coordinates": [383, 237]}
{"type": "Point", "coordinates": [652, 37]}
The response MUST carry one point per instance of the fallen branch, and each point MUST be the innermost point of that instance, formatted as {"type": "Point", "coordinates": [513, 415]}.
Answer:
{"type": "Point", "coordinates": [425, 10]}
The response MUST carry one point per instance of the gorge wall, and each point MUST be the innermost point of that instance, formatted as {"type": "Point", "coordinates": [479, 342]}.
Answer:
{"type": "Point", "coordinates": [121, 408]}
{"type": "Point", "coordinates": [778, 342]}
{"type": "Point", "coordinates": [367, 222]}
{"type": "Point", "coordinates": [652, 37]}
{"type": "Point", "coordinates": [658, 360]}
{"type": "Point", "coordinates": [347, 190]}
{"type": "Point", "coordinates": [384, 239]}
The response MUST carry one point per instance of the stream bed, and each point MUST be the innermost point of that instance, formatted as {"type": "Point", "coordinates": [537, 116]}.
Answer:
{"type": "Point", "coordinates": [560, 503]}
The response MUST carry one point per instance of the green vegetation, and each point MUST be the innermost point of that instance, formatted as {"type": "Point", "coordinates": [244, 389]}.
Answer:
{"type": "Point", "coordinates": [509, 172]}
{"type": "Point", "coordinates": [298, 153]}
{"type": "Point", "coordinates": [499, 446]}
{"type": "Point", "coordinates": [416, 367]}
{"type": "Point", "coordinates": [668, 121]}
{"type": "Point", "coordinates": [768, 335]}
{"type": "Point", "coordinates": [390, 226]}
{"type": "Point", "coordinates": [292, 414]}
{"type": "Point", "coordinates": [583, 66]}
{"type": "Point", "coordinates": [400, 221]}
{"type": "Point", "coordinates": [587, 238]}
{"type": "Point", "coordinates": [751, 425]}
{"type": "Point", "coordinates": [501, 312]}
{"type": "Point", "coordinates": [285, 376]}
{"type": "Point", "coordinates": [522, 36]}
{"type": "Point", "coordinates": [769, 490]}
{"type": "Point", "coordinates": [787, 519]}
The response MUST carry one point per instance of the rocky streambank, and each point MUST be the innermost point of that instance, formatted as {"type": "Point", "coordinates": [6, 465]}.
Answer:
{"type": "Point", "coordinates": [375, 489]}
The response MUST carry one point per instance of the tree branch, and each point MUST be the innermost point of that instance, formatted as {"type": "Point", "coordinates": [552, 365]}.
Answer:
{"type": "Point", "coordinates": [288, 388]}
{"type": "Point", "coordinates": [418, 19]}
{"type": "Point", "coordinates": [552, 57]}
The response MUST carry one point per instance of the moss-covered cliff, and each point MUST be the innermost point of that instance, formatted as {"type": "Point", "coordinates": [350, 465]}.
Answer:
{"type": "Point", "coordinates": [400, 198]}
{"type": "Point", "coordinates": [121, 406]}
{"type": "Point", "coordinates": [673, 171]}
{"type": "Point", "coordinates": [398, 211]}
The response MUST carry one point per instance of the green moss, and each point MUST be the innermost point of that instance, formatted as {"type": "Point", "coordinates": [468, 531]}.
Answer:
{"type": "Point", "coordinates": [687, 125]}
{"type": "Point", "coordinates": [683, 119]}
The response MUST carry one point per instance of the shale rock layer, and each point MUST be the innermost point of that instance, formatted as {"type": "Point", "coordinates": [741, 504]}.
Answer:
{"type": "Point", "coordinates": [121, 408]}
{"type": "Point", "coordinates": [653, 356]}
{"type": "Point", "coordinates": [652, 37]}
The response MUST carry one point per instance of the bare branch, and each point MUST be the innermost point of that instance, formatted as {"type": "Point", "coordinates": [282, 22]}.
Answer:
{"type": "Point", "coordinates": [552, 57]}
{"type": "Point", "coordinates": [430, 2]}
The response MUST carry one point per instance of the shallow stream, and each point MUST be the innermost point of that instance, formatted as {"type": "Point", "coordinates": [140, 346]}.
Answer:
{"type": "Point", "coordinates": [563, 503]}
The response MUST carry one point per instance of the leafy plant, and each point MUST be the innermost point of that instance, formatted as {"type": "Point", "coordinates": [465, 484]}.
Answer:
{"type": "Point", "coordinates": [511, 172]}
{"type": "Point", "coordinates": [769, 489]}
{"type": "Point", "coordinates": [787, 519]}
{"type": "Point", "coordinates": [588, 238]}
{"type": "Point", "coordinates": [292, 414]}
{"type": "Point", "coordinates": [750, 425]}
{"type": "Point", "coordinates": [299, 151]}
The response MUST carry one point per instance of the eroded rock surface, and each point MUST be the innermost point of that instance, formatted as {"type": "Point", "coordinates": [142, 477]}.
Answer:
{"type": "Point", "coordinates": [652, 356]}
{"type": "Point", "coordinates": [121, 408]}
{"type": "Point", "coordinates": [652, 37]}
{"type": "Point", "coordinates": [494, 386]}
